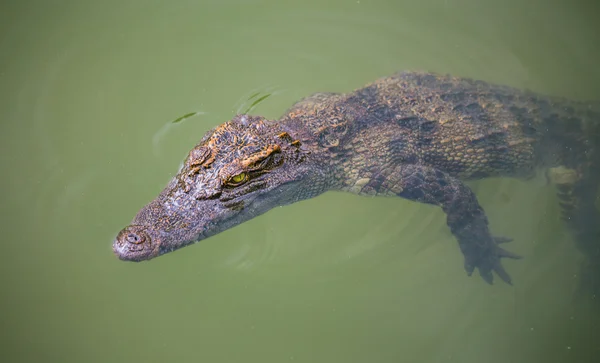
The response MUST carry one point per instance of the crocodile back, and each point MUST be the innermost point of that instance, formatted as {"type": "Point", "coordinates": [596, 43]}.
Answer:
{"type": "Point", "coordinates": [470, 129]}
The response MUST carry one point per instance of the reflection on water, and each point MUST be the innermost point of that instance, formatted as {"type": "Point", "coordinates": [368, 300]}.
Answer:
{"type": "Point", "coordinates": [88, 94]}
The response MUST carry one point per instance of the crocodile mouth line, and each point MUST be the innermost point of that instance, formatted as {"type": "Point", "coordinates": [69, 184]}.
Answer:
{"type": "Point", "coordinates": [208, 230]}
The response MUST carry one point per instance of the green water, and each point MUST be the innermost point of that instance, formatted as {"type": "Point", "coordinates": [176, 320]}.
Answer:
{"type": "Point", "coordinates": [88, 91]}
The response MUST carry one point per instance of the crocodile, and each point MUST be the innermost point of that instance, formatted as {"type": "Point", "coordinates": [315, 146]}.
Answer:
{"type": "Point", "coordinates": [414, 135]}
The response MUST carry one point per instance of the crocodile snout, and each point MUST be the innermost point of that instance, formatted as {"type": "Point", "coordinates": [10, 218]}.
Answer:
{"type": "Point", "coordinates": [133, 243]}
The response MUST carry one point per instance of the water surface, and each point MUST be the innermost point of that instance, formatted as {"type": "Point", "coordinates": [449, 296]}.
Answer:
{"type": "Point", "coordinates": [88, 91]}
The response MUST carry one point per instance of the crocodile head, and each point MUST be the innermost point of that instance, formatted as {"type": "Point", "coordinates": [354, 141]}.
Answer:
{"type": "Point", "coordinates": [238, 171]}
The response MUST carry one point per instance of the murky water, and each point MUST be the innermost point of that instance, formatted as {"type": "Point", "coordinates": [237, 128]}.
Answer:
{"type": "Point", "coordinates": [88, 91]}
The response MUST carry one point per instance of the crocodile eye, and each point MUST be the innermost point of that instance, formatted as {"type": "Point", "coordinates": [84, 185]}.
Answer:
{"type": "Point", "coordinates": [238, 179]}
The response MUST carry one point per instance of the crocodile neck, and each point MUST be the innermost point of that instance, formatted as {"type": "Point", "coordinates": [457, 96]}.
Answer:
{"type": "Point", "coordinates": [325, 123]}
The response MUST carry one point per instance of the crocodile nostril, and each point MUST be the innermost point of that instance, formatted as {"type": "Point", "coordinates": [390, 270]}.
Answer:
{"type": "Point", "coordinates": [134, 243]}
{"type": "Point", "coordinates": [134, 238]}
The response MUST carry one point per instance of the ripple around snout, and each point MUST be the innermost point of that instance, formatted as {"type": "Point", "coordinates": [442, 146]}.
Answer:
{"type": "Point", "coordinates": [253, 252]}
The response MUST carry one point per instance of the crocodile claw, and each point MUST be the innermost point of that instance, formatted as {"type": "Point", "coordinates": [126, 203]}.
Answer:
{"type": "Point", "coordinates": [490, 261]}
{"type": "Point", "coordinates": [502, 239]}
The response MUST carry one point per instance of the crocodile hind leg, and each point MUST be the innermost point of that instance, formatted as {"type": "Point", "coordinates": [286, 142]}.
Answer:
{"type": "Point", "coordinates": [578, 193]}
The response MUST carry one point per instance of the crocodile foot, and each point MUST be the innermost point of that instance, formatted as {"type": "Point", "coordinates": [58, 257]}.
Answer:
{"type": "Point", "coordinates": [489, 260]}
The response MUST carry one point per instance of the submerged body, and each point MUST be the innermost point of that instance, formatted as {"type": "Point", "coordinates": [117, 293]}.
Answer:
{"type": "Point", "coordinates": [413, 135]}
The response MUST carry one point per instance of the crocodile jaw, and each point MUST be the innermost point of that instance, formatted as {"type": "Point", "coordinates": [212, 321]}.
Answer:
{"type": "Point", "coordinates": [165, 225]}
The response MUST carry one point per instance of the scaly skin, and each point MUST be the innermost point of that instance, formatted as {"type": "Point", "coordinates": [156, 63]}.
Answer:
{"type": "Point", "coordinates": [413, 135]}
